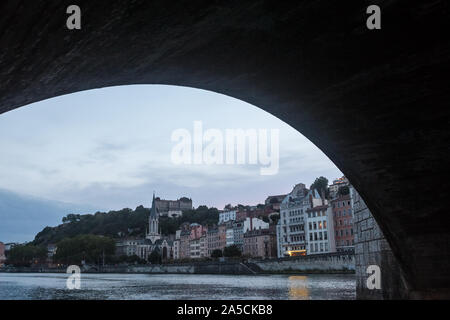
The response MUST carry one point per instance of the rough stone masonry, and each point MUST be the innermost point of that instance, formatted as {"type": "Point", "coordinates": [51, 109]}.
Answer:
{"type": "Point", "coordinates": [372, 248]}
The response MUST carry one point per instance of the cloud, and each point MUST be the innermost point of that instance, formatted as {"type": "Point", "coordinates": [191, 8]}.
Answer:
{"type": "Point", "coordinates": [111, 148]}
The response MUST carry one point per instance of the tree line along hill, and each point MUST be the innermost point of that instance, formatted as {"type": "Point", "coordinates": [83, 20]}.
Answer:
{"type": "Point", "coordinates": [121, 224]}
{"type": "Point", "coordinates": [133, 223]}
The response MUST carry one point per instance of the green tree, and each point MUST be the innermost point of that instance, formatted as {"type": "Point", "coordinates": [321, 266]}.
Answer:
{"type": "Point", "coordinates": [90, 248]}
{"type": "Point", "coordinates": [25, 255]}
{"type": "Point", "coordinates": [217, 253]}
{"type": "Point", "coordinates": [120, 224]}
{"type": "Point", "coordinates": [344, 190]}
{"type": "Point", "coordinates": [273, 200]}
{"type": "Point", "coordinates": [274, 218]}
{"type": "Point", "coordinates": [232, 251]}
{"type": "Point", "coordinates": [155, 257]}
{"type": "Point", "coordinates": [321, 185]}
{"type": "Point", "coordinates": [132, 259]}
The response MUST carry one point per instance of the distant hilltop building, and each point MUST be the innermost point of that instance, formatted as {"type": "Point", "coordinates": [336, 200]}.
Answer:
{"type": "Point", "coordinates": [173, 208]}
{"type": "Point", "coordinates": [275, 201]}
{"type": "Point", "coordinates": [154, 240]}
{"type": "Point", "coordinates": [225, 216]}
{"type": "Point", "coordinates": [337, 183]}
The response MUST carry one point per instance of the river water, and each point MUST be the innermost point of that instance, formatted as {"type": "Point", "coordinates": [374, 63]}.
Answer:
{"type": "Point", "coordinates": [177, 286]}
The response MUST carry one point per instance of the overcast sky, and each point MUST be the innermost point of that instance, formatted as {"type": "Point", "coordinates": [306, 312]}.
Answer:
{"type": "Point", "coordinates": [111, 148]}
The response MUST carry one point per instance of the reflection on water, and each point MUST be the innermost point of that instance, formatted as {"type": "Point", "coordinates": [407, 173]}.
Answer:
{"type": "Point", "coordinates": [177, 286]}
{"type": "Point", "coordinates": [298, 289]}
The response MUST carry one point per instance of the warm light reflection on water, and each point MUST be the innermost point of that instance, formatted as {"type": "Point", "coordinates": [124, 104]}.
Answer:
{"type": "Point", "coordinates": [298, 289]}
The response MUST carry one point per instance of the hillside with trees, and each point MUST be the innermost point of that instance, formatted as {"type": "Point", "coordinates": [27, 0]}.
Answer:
{"type": "Point", "coordinates": [88, 248]}
{"type": "Point", "coordinates": [121, 224]}
{"type": "Point", "coordinates": [25, 255]}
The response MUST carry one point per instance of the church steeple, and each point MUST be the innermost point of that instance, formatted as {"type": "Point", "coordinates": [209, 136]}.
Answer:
{"type": "Point", "coordinates": [154, 210]}
{"type": "Point", "coordinates": [153, 222]}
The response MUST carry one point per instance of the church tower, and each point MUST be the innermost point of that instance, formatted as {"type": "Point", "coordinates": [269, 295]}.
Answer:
{"type": "Point", "coordinates": [153, 223]}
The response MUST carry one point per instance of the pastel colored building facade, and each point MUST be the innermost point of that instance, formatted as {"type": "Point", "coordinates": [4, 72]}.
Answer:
{"type": "Point", "coordinates": [212, 239]}
{"type": "Point", "coordinates": [291, 228]}
{"type": "Point", "coordinates": [198, 241]}
{"type": "Point", "coordinates": [260, 243]}
{"type": "Point", "coordinates": [320, 230]}
{"type": "Point", "coordinates": [238, 234]}
{"type": "Point", "coordinates": [254, 224]}
{"type": "Point", "coordinates": [226, 216]}
{"type": "Point", "coordinates": [185, 249]}
{"type": "Point", "coordinates": [2, 254]}
{"type": "Point", "coordinates": [343, 223]}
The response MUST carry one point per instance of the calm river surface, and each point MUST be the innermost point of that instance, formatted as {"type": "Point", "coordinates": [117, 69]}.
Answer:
{"type": "Point", "coordinates": [176, 286]}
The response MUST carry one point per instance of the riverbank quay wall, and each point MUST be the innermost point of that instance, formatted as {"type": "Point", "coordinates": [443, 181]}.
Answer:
{"type": "Point", "coordinates": [318, 263]}
{"type": "Point", "coordinates": [321, 263]}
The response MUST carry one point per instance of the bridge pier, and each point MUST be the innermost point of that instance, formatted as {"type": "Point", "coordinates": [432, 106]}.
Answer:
{"type": "Point", "coordinates": [372, 248]}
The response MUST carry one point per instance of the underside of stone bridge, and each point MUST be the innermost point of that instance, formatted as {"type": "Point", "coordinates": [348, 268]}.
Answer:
{"type": "Point", "coordinates": [376, 102]}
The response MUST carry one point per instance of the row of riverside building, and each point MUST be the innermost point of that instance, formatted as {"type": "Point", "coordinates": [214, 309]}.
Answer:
{"type": "Point", "coordinates": [302, 222]}
{"type": "Point", "coordinates": [251, 235]}
{"type": "Point", "coordinates": [311, 224]}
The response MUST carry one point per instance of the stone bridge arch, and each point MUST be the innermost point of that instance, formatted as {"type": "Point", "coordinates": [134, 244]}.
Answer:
{"type": "Point", "coordinates": [376, 102]}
